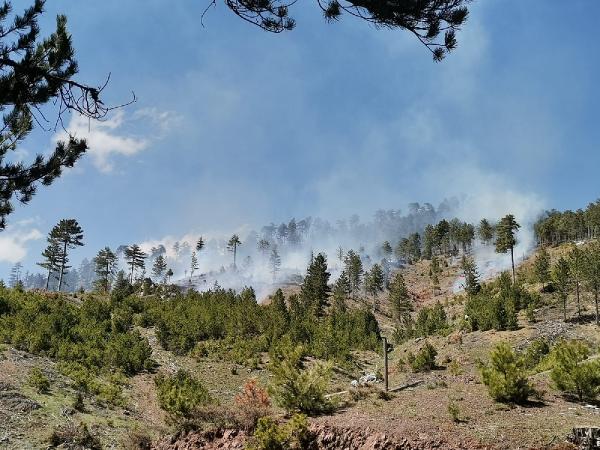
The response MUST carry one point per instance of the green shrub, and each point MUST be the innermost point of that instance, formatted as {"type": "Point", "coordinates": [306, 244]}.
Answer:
{"type": "Point", "coordinates": [454, 411]}
{"type": "Point", "coordinates": [39, 381]}
{"type": "Point", "coordinates": [296, 388]}
{"type": "Point", "coordinates": [181, 394]}
{"type": "Point", "coordinates": [497, 305]}
{"type": "Point", "coordinates": [269, 435]}
{"type": "Point", "coordinates": [424, 360]}
{"type": "Point", "coordinates": [431, 321]}
{"type": "Point", "coordinates": [572, 374]}
{"type": "Point", "coordinates": [505, 376]}
{"type": "Point", "coordinates": [536, 352]}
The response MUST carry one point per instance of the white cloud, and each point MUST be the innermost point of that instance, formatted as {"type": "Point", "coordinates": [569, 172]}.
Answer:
{"type": "Point", "coordinates": [13, 242]}
{"type": "Point", "coordinates": [107, 139]}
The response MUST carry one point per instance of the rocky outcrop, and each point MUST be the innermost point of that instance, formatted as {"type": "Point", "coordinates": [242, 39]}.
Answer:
{"type": "Point", "coordinates": [324, 437]}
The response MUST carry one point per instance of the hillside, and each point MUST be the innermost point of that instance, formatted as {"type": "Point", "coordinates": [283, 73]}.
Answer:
{"type": "Point", "coordinates": [447, 407]}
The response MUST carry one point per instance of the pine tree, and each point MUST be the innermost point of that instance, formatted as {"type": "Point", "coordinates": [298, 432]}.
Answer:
{"type": "Point", "coordinates": [576, 262]}
{"type": "Point", "coordinates": [562, 280]}
{"type": "Point", "coordinates": [386, 249]}
{"type": "Point", "coordinates": [434, 272]}
{"type": "Point", "coordinates": [177, 249]}
{"type": "Point", "coordinates": [425, 19]}
{"type": "Point", "coordinates": [354, 270]}
{"type": "Point", "coordinates": [169, 274]}
{"type": "Point", "coordinates": [341, 292]}
{"type": "Point", "coordinates": [193, 265]}
{"type": "Point", "coordinates": [68, 234]}
{"type": "Point", "coordinates": [36, 72]}
{"type": "Point", "coordinates": [541, 267]}
{"type": "Point", "coordinates": [105, 266]}
{"type": "Point", "coordinates": [275, 262]}
{"type": "Point", "coordinates": [315, 289]}
{"type": "Point", "coordinates": [485, 231]}
{"type": "Point", "coordinates": [469, 268]}
{"type": "Point", "coordinates": [232, 246]}
{"type": "Point", "coordinates": [51, 260]}
{"type": "Point", "coordinates": [200, 244]}
{"type": "Point", "coordinates": [15, 275]}
{"type": "Point", "coordinates": [135, 259]}
{"type": "Point", "coordinates": [592, 274]}
{"type": "Point", "coordinates": [374, 283]}
{"type": "Point", "coordinates": [263, 247]}
{"type": "Point", "coordinates": [159, 268]}
{"type": "Point", "coordinates": [340, 254]}
{"type": "Point", "coordinates": [399, 299]}
{"type": "Point", "coordinates": [428, 241]}
{"type": "Point", "coordinates": [506, 239]}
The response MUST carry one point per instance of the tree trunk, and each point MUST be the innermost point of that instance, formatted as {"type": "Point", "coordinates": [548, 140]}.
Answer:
{"type": "Point", "coordinates": [48, 278]}
{"type": "Point", "coordinates": [512, 260]}
{"type": "Point", "coordinates": [131, 277]}
{"type": "Point", "coordinates": [578, 303]}
{"type": "Point", "coordinates": [597, 311]}
{"type": "Point", "coordinates": [62, 266]}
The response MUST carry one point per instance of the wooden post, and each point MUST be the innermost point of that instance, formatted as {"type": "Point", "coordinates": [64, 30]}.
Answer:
{"type": "Point", "coordinates": [385, 364]}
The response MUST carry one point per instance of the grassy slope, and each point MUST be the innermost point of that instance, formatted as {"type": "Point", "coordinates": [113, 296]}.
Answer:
{"type": "Point", "coordinates": [421, 411]}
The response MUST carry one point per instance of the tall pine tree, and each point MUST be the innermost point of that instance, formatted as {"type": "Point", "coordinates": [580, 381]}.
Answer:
{"type": "Point", "coordinates": [68, 234]}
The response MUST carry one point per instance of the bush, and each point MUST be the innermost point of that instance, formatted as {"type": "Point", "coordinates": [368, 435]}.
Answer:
{"type": "Point", "coordinates": [298, 389]}
{"type": "Point", "coordinates": [73, 436]}
{"type": "Point", "coordinates": [253, 403]}
{"type": "Point", "coordinates": [424, 360]}
{"type": "Point", "coordinates": [454, 411]}
{"type": "Point", "coordinates": [497, 304]}
{"type": "Point", "coordinates": [39, 381]}
{"type": "Point", "coordinates": [572, 374]}
{"type": "Point", "coordinates": [505, 376]}
{"type": "Point", "coordinates": [181, 394]}
{"type": "Point", "coordinates": [137, 440]}
{"type": "Point", "coordinates": [536, 352]}
{"type": "Point", "coordinates": [269, 435]}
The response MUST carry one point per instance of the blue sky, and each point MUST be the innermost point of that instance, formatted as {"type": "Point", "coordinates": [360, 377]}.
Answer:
{"type": "Point", "coordinates": [237, 127]}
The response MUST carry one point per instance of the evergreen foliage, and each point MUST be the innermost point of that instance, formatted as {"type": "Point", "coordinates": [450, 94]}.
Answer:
{"type": "Point", "coordinates": [471, 284]}
{"type": "Point", "coordinates": [105, 266]}
{"type": "Point", "coordinates": [68, 235]}
{"type": "Point", "coordinates": [181, 395]}
{"type": "Point", "coordinates": [424, 360]}
{"type": "Point", "coordinates": [315, 289]}
{"type": "Point", "coordinates": [572, 373]}
{"type": "Point", "coordinates": [485, 231]}
{"type": "Point", "coordinates": [505, 376]}
{"type": "Point", "coordinates": [135, 258]}
{"type": "Point", "coordinates": [399, 300]}
{"type": "Point", "coordinates": [36, 71]}
{"type": "Point", "coordinates": [354, 270]}
{"type": "Point", "coordinates": [541, 266]}
{"type": "Point", "coordinates": [497, 304]}
{"type": "Point", "coordinates": [561, 275]}
{"type": "Point", "coordinates": [506, 238]}
{"type": "Point", "coordinates": [232, 245]}
{"type": "Point", "coordinates": [299, 389]}
{"type": "Point", "coordinates": [427, 19]}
